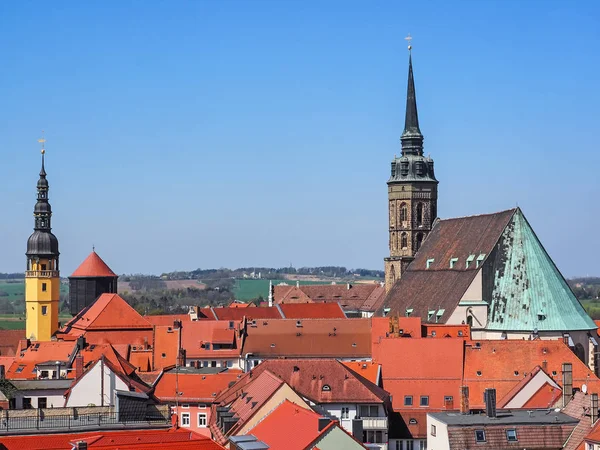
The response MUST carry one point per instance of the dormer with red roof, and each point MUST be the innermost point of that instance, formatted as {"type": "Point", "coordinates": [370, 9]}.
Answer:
{"type": "Point", "coordinates": [89, 281]}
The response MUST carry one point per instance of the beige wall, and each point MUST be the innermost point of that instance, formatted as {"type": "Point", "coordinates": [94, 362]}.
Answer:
{"type": "Point", "coordinates": [530, 389]}
{"type": "Point", "coordinates": [88, 390]}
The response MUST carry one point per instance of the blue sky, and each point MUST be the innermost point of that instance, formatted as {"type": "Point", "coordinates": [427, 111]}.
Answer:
{"type": "Point", "coordinates": [223, 133]}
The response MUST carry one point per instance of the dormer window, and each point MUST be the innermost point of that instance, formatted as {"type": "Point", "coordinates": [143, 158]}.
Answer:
{"type": "Point", "coordinates": [409, 311]}
{"type": "Point", "coordinates": [404, 168]}
{"type": "Point", "coordinates": [453, 262]}
{"type": "Point", "coordinates": [419, 168]}
{"type": "Point", "coordinates": [326, 388]}
{"type": "Point", "coordinates": [480, 259]}
{"type": "Point", "coordinates": [430, 261]}
{"type": "Point", "coordinates": [470, 260]}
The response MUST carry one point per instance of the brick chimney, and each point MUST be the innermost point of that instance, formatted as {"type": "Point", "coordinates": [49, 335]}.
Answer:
{"type": "Point", "coordinates": [78, 366]}
{"type": "Point", "coordinates": [464, 400]}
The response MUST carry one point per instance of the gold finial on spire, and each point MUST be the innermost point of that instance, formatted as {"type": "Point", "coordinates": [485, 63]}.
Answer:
{"type": "Point", "coordinates": [409, 40]}
{"type": "Point", "coordinates": [42, 141]}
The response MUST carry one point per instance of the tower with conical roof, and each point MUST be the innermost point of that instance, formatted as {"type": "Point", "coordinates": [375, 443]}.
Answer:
{"type": "Point", "coordinates": [90, 280]}
{"type": "Point", "coordinates": [412, 192]}
{"type": "Point", "coordinates": [42, 279]}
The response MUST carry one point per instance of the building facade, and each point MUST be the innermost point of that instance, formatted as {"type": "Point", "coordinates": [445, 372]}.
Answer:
{"type": "Point", "coordinates": [412, 193]}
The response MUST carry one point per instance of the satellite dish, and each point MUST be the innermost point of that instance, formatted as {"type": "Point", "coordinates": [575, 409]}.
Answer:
{"type": "Point", "coordinates": [584, 388]}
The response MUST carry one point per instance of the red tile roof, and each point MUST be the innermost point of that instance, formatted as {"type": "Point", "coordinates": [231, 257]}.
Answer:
{"type": "Point", "coordinates": [290, 427]}
{"type": "Point", "coordinates": [167, 319]}
{"type": "Point", "coordinates": [93, 266]}
{"type": "Point", "coordinates": [225, 313]}
{"type": "Point", "coordinates": [546, 436]}
{"type": "Point", "coordinates": [194, 387]}
{"type": "Point", "coordinates": [129, 439]}
{"type": "Point", "coordinates": [9, 341]}
{"type": "Point", "coordinates": [238, 304]}
{"type": "Point", "coordinates": [108, 312]}
{"type": "Point", "coordinates": [544, 397]}
{"type": "Point", "coordinates": [312, 311]}
{"type": "Point", "coordinates": [594, 436]}
{"type": "Point", "coordinates": [579, 408]}
{"type": "Point", "coordinates": [166, 344]}
{"type": "Point", "coordinates": [319, 338]}
{"type": "Point", "coordinates": [309, 376]}
{"type": "Point", "coordinates": [353, 296]}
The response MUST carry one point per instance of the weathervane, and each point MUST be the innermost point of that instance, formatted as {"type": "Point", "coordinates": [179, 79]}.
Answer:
{"type": "Point", "coordinates": [42, 141]}
{"type": "Point", "coordinates": [409, 40]}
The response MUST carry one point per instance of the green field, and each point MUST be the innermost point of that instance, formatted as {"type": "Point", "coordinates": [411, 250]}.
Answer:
{"type": "Point", "coordinates": [250, 289]}
{"type": "Point", "coordinates": [592, 307]}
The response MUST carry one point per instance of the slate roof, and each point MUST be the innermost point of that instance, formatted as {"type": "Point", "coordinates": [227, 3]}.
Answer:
{"type": "Point", "coordinates": [93, 266]}
{"type": "Point", "coordinates": [438, 286]}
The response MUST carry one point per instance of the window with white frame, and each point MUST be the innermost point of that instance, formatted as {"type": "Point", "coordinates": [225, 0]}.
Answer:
{"type": "Point", "coordinates": [345, 412]}
{"type": "Point", "coordinates": [511, 435]}
{"type": "Point", "coordinates": [479, 436]}
{"type": "Point", "coordinates": [185, 419]}
{"type": "Point", "coordinates": [202, 420]}
{"type": "Point", "coordinates": [185, 406]}
{"type": "Point", "coordinates": [433, 430]}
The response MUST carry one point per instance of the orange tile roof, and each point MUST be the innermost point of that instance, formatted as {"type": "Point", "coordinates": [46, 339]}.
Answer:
{"type": "Point", "coordinates": [367, 369]}
{"type": "Point", "coordinates": [546, 397]}
{"type": "Point", "coordinates": [594, 435]}
{"type": "Point", "coordinates": [109, 311]}
{"type": "Point", "coordinates": [320, 338]}
{"type": "Point", "coordinates": [194, 387]}
{"type": "Point", "coordinates": [224, 313]}
{"type": "Point", "coordinates": [350, 296]}
{"type": "Point", "coordinates": [166, 341]}
{"type": "Point", "coordinates": [290, 427]}
{"type": "Point", "coordinates": [93, 266]}
{"type": "Point", "coordinates": [126, 439]}
{"type": "Point", "coordinates": [420, 367]}
{"type": "Point", "coordinates": [331, 310]}
{"type": "Point", "coordinates": [238, 304]}
{"type": "Point", "coordinates": [37, 353]}
{"type": "Point", "coordinates": [167, 319]}
{"type": "Point", "coordinates": [502, 364]}
{"type": "Point", "coordinates": [198, 333]}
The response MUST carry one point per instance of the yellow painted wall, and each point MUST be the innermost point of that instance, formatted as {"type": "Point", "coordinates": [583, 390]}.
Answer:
{"type": "Point", "coordinates": [40, 299]}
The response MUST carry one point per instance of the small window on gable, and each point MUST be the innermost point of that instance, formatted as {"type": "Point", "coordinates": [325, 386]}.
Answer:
{"type": "Point", "coordinates": [412, 421]}
{"type": "Point", "coordinates": [433, 430]}
{"type": "Point", "coordinates": [326, 388]}
{"type": "Point", "coordinates": [479, 436]}
{"type": "Point", "coordinates": [511, 435]}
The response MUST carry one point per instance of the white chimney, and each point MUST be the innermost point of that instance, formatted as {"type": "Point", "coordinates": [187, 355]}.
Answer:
{"type": "Point", "coordinates": [270, 293]}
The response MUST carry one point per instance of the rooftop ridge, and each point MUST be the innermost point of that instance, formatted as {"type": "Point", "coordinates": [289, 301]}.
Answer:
{"type": "Point", "coordinates": [479, 215]}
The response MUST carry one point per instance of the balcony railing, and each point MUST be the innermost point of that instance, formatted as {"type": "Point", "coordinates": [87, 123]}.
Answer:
{"type": "Point", "coordinates": [375, 423]}
{"type": "Point", "coordinates": [41, 274]}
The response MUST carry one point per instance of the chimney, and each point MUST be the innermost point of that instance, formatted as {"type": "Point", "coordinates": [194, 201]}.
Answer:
{"type": "Point", "coordinates": [323, 422]}
{"type": "Point", "coordinates": [545, 366]}
{"type": "Point", "coordinates": [82, 445]}
{"type": "Point", "coordinates": [449, 403]}
{"type": "Point", "coordinates": [81, 342]}
{"type": "Point", "coordinates": [24, 344]}
{"type": "Point", "coordinates": [567, 376]}
{"type": "Point", "coordinates": [270, 294]}
{"type": "Point", "coordinates": [297, 283]}
{"type": "Point", "coordinates": [348, 286]}
{"type": "Point", "coordinates": [78, 366]}
{"type": "Point", "coordinates": [490, 403]}
{"type": "Point", "coordinates": [464, 400]}
{"type": "Point", "coordinates": [181, 358]}
{"type": "Point", "coordinates": [594, 408]}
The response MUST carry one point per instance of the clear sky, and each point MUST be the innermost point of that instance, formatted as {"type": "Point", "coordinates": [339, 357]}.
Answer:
{"type": "Point", "coordinates": [238, 133]}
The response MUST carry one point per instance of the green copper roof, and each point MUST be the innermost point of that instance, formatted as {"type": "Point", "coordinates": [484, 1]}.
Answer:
{"type": "Point", "coordinates": [529, 292]}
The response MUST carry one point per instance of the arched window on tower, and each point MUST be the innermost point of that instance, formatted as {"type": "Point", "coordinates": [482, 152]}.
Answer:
{"type": "Point", "coordinates": [403, 212]}
{"type": "Point", "coordinates": [403, 241]}
{"type": "Point", "coordinates": [419, 241]}
{"type": "Point", "coordinates": [393, 275]}
{"type": "Point", "coordinates": [419, 214]}
{"type": "Point", "coordinates": [394, 242]}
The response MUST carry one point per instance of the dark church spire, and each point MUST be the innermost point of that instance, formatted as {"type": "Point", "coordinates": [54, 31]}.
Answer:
{"type": "Point", "coordinates": [412, 139]}
{"type": "Point", "coordinates": [42, 242]}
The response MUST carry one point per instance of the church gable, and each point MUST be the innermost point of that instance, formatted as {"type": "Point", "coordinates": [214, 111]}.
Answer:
{"type": "Point", "coordinates": [528, 291]}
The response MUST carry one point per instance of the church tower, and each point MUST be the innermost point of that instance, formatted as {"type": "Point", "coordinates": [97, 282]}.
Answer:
{"type": "Point", "coordinates": [412, 192]}
{"type": "Point", "coordinates": [42, 280]}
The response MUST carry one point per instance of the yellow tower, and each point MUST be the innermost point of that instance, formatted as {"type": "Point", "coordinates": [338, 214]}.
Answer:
{"type": "Point", "coordinates": [42, 279]}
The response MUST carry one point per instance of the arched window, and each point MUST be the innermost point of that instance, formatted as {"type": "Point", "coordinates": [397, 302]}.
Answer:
{"type": "Point", "coordinates": [419, 241]}
{"type": "Point", "coordinates": [393, 275]}
{"type": "Point", "coordinates": [470, 320]}
{"type": "Point", "coordinates": [403, 240]}
{"type": "Point", "coordinates": [394, 242]}
{"type": "Point", "coordinates": [419, 214]}
{"type": "Point", "coordinates": [403, 212]}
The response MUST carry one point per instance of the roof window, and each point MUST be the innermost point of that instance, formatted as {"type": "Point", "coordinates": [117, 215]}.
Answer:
{"type": "Point", "coordinates": [429, 262]}
{"type": "Point", "coordinates": [453, 261]}
{"type": "Point", "coordinates": [479, 373]}
{"type": "Point", "coordinates": [272, 345]}
{"type": "Point", "coordinates": [430, 314]}
{"type": "Point", "coordinates": [433, 333]}
{"type": "Point", "coordinates": [516, 373]}
{"type": "Point", "coordinates": [480, 259]}
{"type": "Point", "coordinates": [460, 332]}
{"type": "Point", "coordinates": [511, 435]}
{"type": "Point", "coordinates": [439, 314]}
{"type": "Point", "coordinates": [470, 259]}
{"type": "Point", "coordinates": [479, 436]}
{"type": "Point", "coordinates": [409, 311]}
